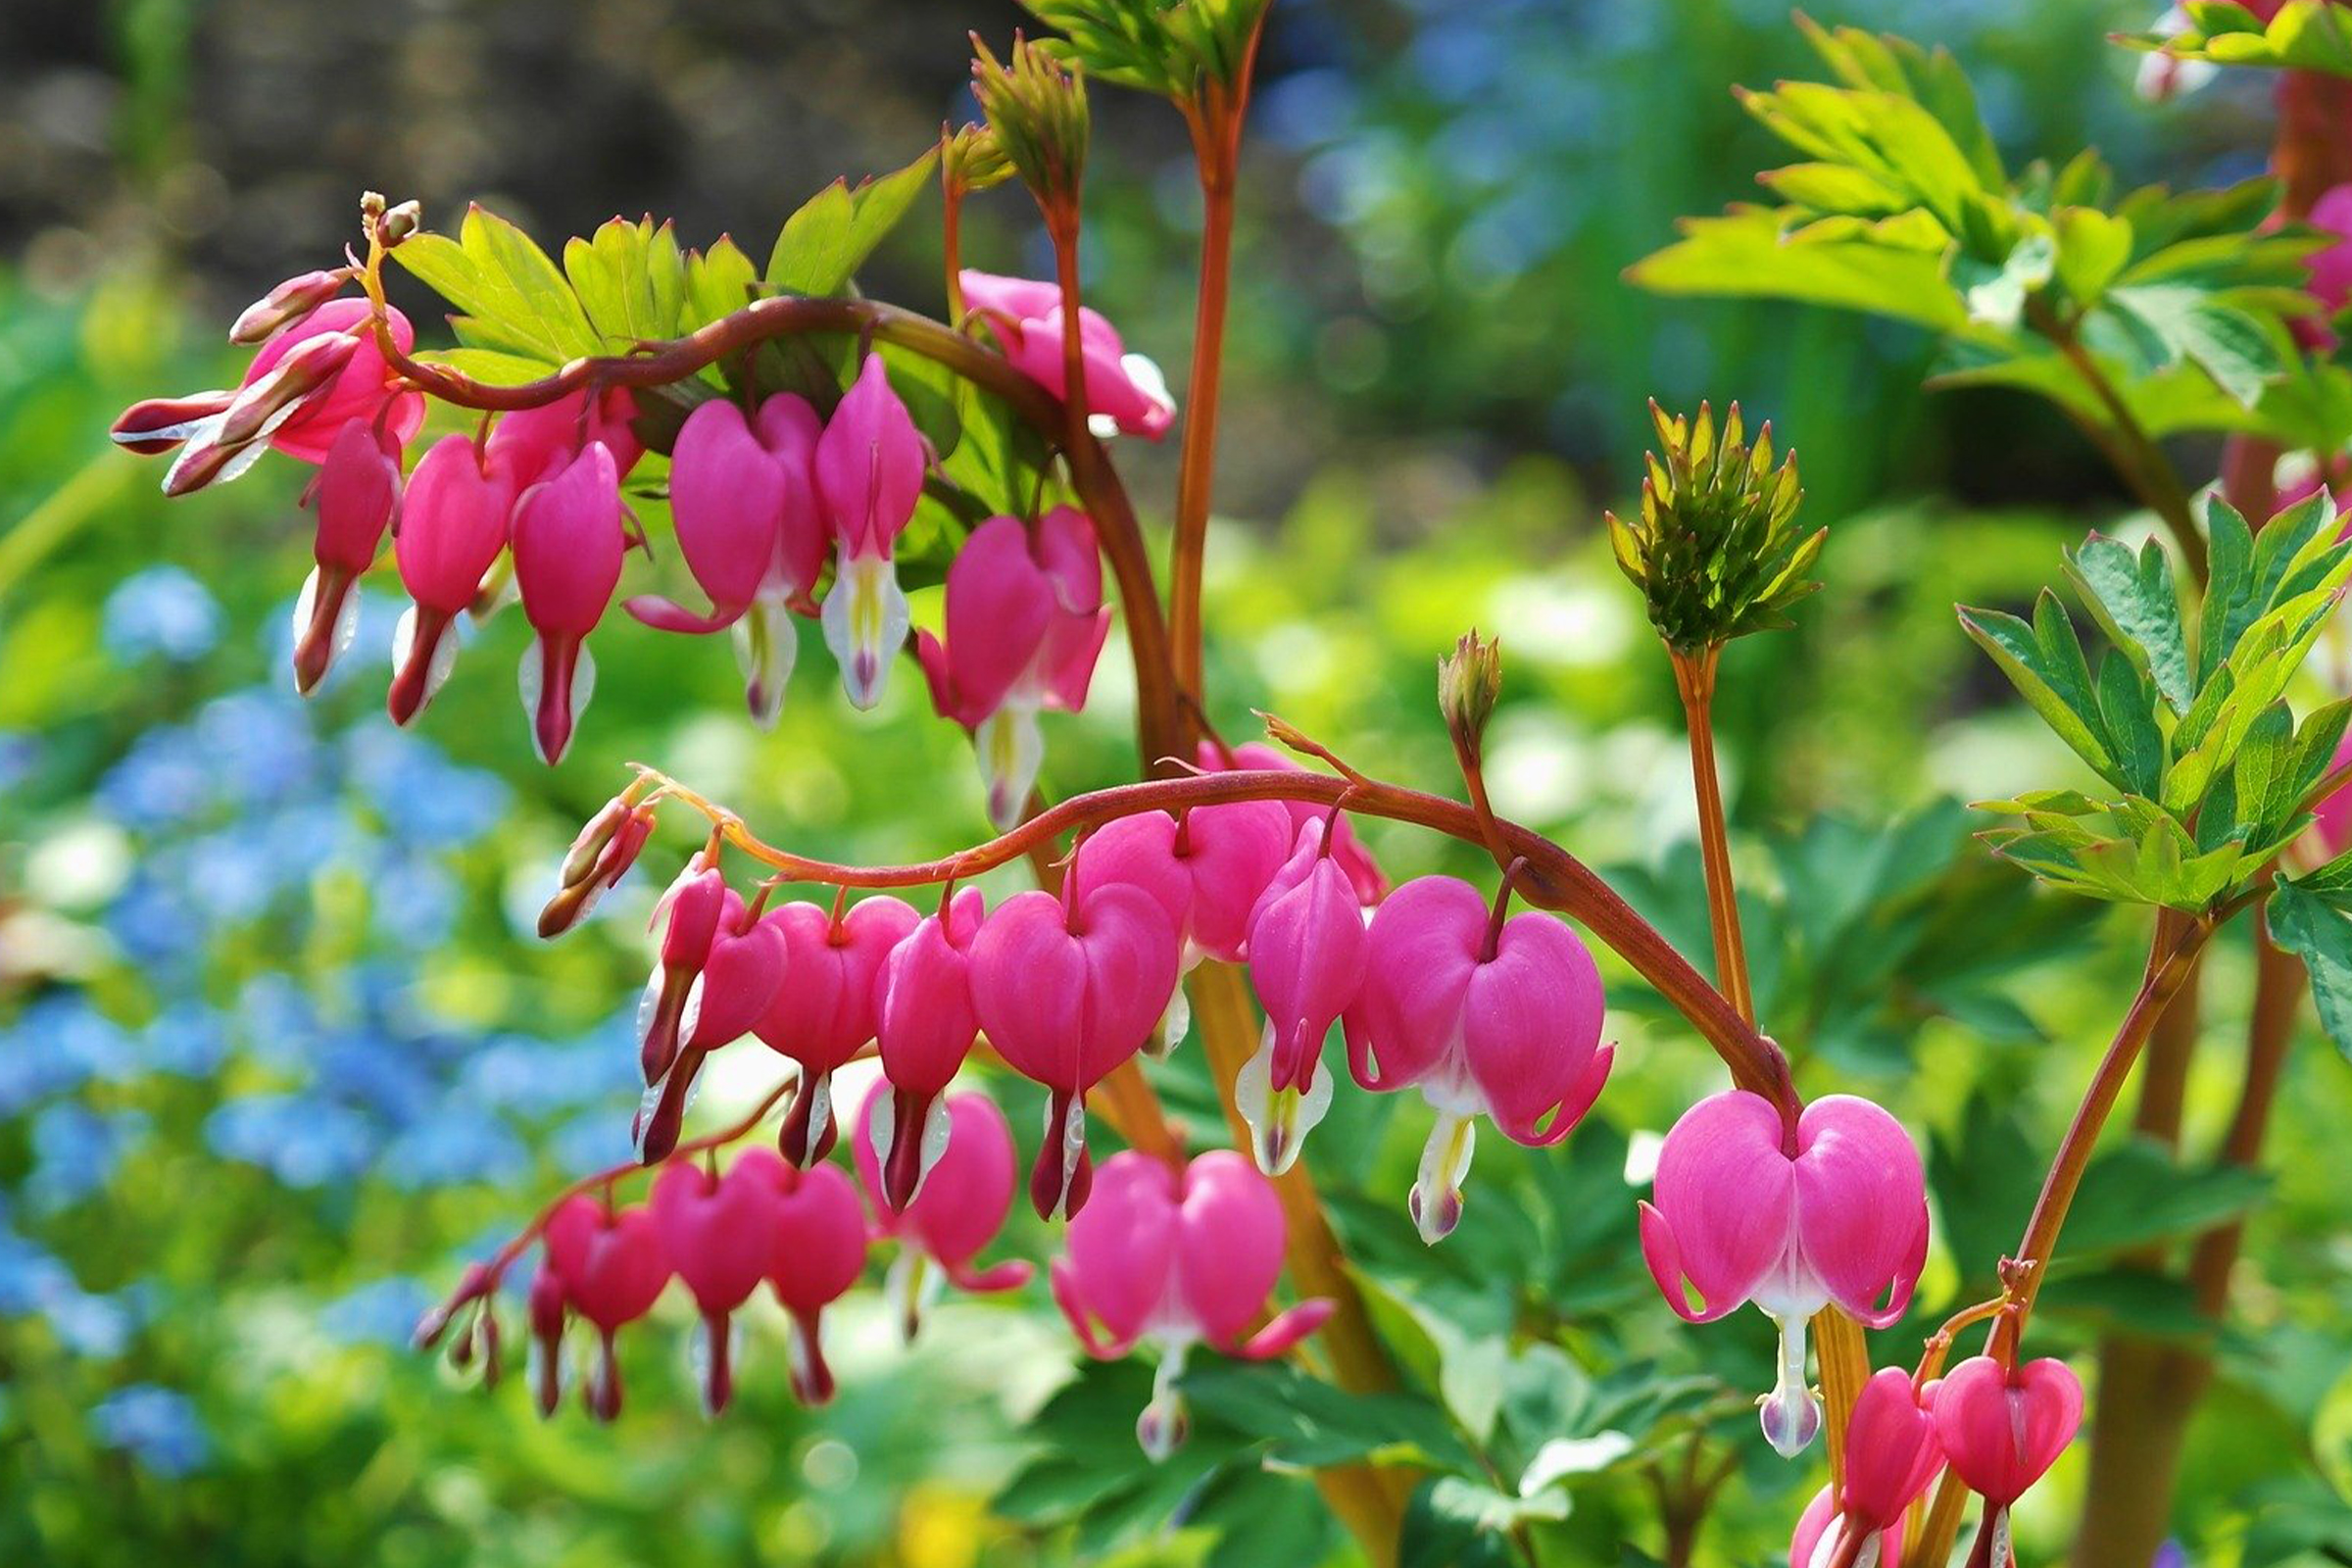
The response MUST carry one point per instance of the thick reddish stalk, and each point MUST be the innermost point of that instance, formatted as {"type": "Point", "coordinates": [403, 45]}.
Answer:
{"type": "Point", "coordinates": [1215, 116]}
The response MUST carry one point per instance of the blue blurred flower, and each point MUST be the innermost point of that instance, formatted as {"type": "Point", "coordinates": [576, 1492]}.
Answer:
{"type": "Point", "coordinates": [161, 782]}
{"type": "Point", "coordinates": [259, 742]}
{"type": "Point", "coordinates": [98, 1326]}
{"type": "Point", "coordinates": [455, 1145]}
{"type": "Point", "coordinates": [162, 612]}
{"type": "Point", "coordinates": [187, 1039]}
{"type": "Point", "coordinates": [378, 1312]}
{"type": "Point", "coordinates": [154, 922]}
{"type": "Point", "coordinates": [301, 1140]}
{"type": "Point", "coordinates": [75, 1149]}
{"type": "Point", "coordinates": [414, 903]}
{"type": "Point", "coordinates": [425, 800]}
{"type": "Point", "coordinates": [20, 752]}
{"type": "Point", "coordinates": [156, 1424]}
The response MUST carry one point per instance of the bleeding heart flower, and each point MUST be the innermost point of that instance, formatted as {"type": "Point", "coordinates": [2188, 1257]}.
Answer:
{"type": "Point", "coordinates": [744, 497]}
{"type": "Point", "coordinates": [356, 494]}
{"type": "Point", "coordinates": [957, 1212]}
{"type": "Point", "coordinates": [820, 1251]}
{"type": "Point", "coordinates": [1306, 959]}
{"type": "Point", "coordinates": [567, 557]}
{"type": "Point", "coordinates": [720, 1235]}
{"type": "Point", "coordinates": [612, 1267]}
{"type": "Point", "coordinates": [1125, 393]}
{"type": "Point", "coordinates": [1501, 1018]}
{"type": "Point", "coordinates": [1067, 989]}
{"type": "Point", "coordinates": [827, 1013]}
{"type": "Point", "coordinates": [1356, 861]}
{"type": "Point", "coordinates": [1178, 1259]}
{"type": "Point", "coordinates": [926, 1025]}
{"type": "Point", "coordinates": [2001, 1430]}
{"type": "Point", "coordinates": [1207, 870]}
{"type": "Point", "coordinates": [1749, 1209]}
{"type": "Point", "coordinates": [869, 467]}
{"type": "Point", "coordinates": [453, 525]}
{"type": "Point", "coordinates": [535, 444]}
{"type": "Point", "coordinates": [1892, 1454]}
{"type": "Point", "coordinates": [1815, 1544]}
{"type": "Point", "coordinates": [740, 975]}
{"type": "Point", "coordinates": [1025, 624]}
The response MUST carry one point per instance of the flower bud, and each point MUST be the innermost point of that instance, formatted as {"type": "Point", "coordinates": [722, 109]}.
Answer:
{"type": "Point", "coordinates": [289, 303]}
{"type": "Point", "coordinates": [1469, 683]}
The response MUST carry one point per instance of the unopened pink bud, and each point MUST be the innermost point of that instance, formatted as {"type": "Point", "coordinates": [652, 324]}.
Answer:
{"type": "Point", "coordinates": [288, 304]}
{"type": "Point", "coordinates": [567, 560]}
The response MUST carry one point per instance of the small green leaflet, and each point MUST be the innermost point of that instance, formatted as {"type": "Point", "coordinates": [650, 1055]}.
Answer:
{"type": "Point", "coordinates": [824, 243]}
{"type": "Point", "coordinates": [2312, 925]}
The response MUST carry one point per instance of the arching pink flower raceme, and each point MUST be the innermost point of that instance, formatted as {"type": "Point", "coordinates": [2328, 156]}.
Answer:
{"type": "Point", "coordinates": [1206, 870]}
{"type": "Point", "coordinates": [1177, 1258]}
{"type": "Point", "coordinates": [827, 1011]}
{"type": "Point", "coordinates": [741, 973]}
{"type": "Point", "coordinates": [356, 494]}
{"type": "Point", "coordinates": [1025, 624]}
{"type": "Point", "coordinates": [743, 493]}
{"type": "Point", "coordinates": [1500, 1020]}
{"type": "Point", "coordinates": [612, 1266]}
{"type": "Point", "coordinates": [2001, 1430]}
{"type": "Point", "coordinates": [567, 557]}
{"type": "Point", "coordinates": [1307, 961]}
{"type": "Point", "coordinates": [1125, 393]}
{"type": "Point", "coordinates": [1892, 1454]}
{"type": "Point", "coordinates": [453, 525]}
{"type": "Point", "coordinates": [1356, 861]}
{"type": "Point", "coordinates": [958, 1211]}
{"type": "Point", "coordinates": [820, 1251]}
{"type": "Point", "coordinates": [869, 466]}
{"type": "Point", "coordinates": [721, 1234]}
{"type": "Point", "coordinates": [1746, 1212]}
{"type": "Point", "coordinates": [1066, 989]}
{"type": "Point", "coordinates": [925, 1026]}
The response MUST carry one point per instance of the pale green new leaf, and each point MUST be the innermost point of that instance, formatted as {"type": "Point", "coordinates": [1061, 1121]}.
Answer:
{"type": "Point", "coordinates": [823, 244]}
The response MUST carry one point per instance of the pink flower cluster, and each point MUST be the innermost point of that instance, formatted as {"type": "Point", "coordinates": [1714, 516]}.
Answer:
{"type": "Point", "coordinates": [804, 1232]}
{"type": "Point", "coordinates": [1178, 1258]}
{"type": "Point", "coordinates": [1997, 1426]}
{"type": "Point", "coordinates": [764, 500]}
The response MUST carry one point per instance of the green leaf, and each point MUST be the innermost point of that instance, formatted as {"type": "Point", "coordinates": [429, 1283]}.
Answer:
{"type": "Point", "coordinates": [2128, 706]}
{"type": "Point", "coordinates": [1746, 253]}
{"type": "Point", "coordinates": [2092, 248]}
{"type": "Point", "coordinates": [2308, 926]}
{"type": "Point", "coordinates": [2137, 1192]}
{"type": "Point", "coordinates": [824, 243]}
{"type": "Point", "coordinates": [516, 301]}
{"type": "Point", "coordinates": [2137, 601]}
{"type": "Point", "coordinates": [1312, 1424]}
{"type": "Point", "coordinates": [719, 282]}
{"type": "Point", "coordinates": [2045, 664]}
{"type": "Point", "coordinates": [630, 279]}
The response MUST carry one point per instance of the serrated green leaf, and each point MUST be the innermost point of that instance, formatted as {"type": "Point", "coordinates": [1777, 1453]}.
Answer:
{"type": "Point", "coordinates": [2092, 248]}
{"type": "Point", "coordinates": [2128, 706]}
{"type": "Point", "coordinates": [1747, 254]}
{"type": "Point", "coordinates": [2306, 924]}
{"type": "Point", "coordinates": [2015, 647]}
{"type": "Point", "coordinates": [2137, 601]}
{"type": "Point", "coordinates": [823, 244]}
